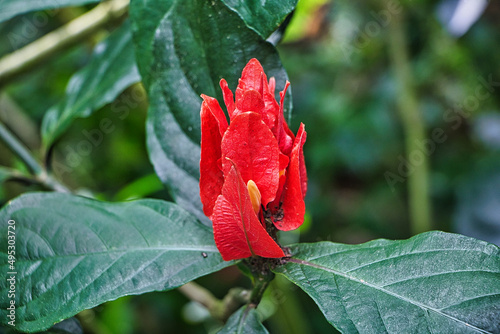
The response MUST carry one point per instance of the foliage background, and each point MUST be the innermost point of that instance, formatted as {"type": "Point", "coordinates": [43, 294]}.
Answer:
{"type": "Point", "coordinates": [345, 91]}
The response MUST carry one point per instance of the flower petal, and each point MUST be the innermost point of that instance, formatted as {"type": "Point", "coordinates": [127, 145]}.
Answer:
{"type": "Point", "coordinates": [251, 145]}
{"type": "Point", "coordinates": [237, 231]}
{"type": "Point", "coordinates": [272, 85]}
{"type": "Point", "coordinates": [271, 106]}
{"type": "Point", "coordinates": [293, 206]}
{"type": "Point", "coordinates": [302, 171]}
{"type": "Point", "coordinates": [254, 78]}
{"type": "Point", "coordinates": [250, 100]}
{"type": "Point", "coordinates": [212, 105]}
{"type": "Point", "coordinates": [274, 206]}
{"type": "Point", "coordinates": [284, 134]}
{"type": "Point", "coordinates": [251, 77]}
{"type": "Point", "coordinates": [213, 126]}
{"type": "Point", "coordinates": [228, 97]}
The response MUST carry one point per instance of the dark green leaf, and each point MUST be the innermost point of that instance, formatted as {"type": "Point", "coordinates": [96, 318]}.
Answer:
{"type": "Point", "coordinates": [183, 50]}
{"type": "Point", "coordinates": [111, 69]}
{"type": "Point", "coordinates": [11, 8]}
{"type": "Point", "coordinates": [432, 283]}
{"type": "Point", "coordinates": [140, 188]}
{"type": "Point", "coordinates": [73, 253]}
{"type": "Point", "coordinates": [244, 321]}
{"type": "Point", "coordinates": [265, 17]}
{"type": "Point", "coordinates": [174, 155]}
{"type": "Point", "coordinates": [68, 326]}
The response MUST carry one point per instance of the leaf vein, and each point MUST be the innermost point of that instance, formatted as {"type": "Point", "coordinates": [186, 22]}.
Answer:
{"type": "Point", "coordinates": [38, 234]}
{"type": "Point", "coordinates": [139, 269]}
{"type": "Point", "coordinates": [469, 299]}
{"type": "Point", "coordinates": [439, 274]}
{"type": "Point", "coordinates": [209, 249]}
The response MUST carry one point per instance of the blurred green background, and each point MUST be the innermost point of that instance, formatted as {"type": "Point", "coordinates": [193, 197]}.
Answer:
{"type": "Point", "coordinates": [401, 105]}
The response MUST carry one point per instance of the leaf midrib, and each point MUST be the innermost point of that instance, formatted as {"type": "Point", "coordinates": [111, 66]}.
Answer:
{"type": "Point", "coordinates": [211, 249]}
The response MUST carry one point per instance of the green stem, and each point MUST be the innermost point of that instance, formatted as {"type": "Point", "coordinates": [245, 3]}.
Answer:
{"type": "Point", "coordinates": [414, 129]}
{"type": "Point", "coordinates": [53, 43]}
{"type": "Point", "coordinates": [262, 277]}
{"type": "Point", "coordinates": [20, 150]}
{"type": "Point", "coordinates": [199, 294]}
{"type": "Point", "coordinates": [260, 285]}
{"type": "Point", "coordinates": [41, 175]}
{"type": "Point", "coordinates": [51, 183]}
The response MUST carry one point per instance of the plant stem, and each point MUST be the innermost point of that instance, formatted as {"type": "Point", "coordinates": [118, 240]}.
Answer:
{"type": "Point", "coordinates": [414, 129]}
{"type": "Point", "coordinates": [261, 282]}
{"type": "Point", "coordinates": [41, 175]}
{"type": "Point", "coordinates": [199, 294]}
{"type": "Point", "coordinates": [20, 150]}
{"type": "Point", "coordinates": [219, 309]}
{"type": "Point", "coordinates": [51, 44]}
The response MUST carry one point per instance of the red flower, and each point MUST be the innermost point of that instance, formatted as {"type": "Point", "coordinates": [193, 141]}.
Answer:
{"type": "Point", "coordinates": [251, 170]}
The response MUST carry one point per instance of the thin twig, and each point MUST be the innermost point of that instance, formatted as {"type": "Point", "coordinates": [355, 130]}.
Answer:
{"type": "Point", "coordinates": [414, 128]}
{"type": "Point", "coordinates": [219, 309]}
{"type": "Point", "coordinates": [199, 294]}
{"type": "Point", "coordinates": [71, 33]}
{"type": "Point", "coordinates": [20, 150]}
{"type": "Point", "coordinates": [41, 176]}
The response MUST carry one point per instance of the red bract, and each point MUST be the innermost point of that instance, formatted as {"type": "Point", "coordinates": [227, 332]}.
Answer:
{"type": "Point", "coordinates": [252, 171]}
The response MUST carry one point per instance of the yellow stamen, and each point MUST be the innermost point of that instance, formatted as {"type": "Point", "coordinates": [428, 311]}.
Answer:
{"type": "Point", "coordinates": [255, 196]}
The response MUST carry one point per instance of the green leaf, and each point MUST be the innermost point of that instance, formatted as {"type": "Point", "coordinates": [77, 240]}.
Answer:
{"type": "Point", "coordinates": [263, 17]}
{"type": "Point", "coordinates": [74, 253]}
{"type": "Point", "coordinates": [244, 321]}
{"type": "Point", "coordinates": [174, 155]}
{"type": "Point", "coordinates": [432, 283]}
{"type": "Point", "coordinates": [11, 8]}
{"type": "Point", "coordinates": [111, 69]}
{"type": "Point", "coordinates": [140, 188]}
{"type": "Point", "coordinates": [183, 50]}
{"type": "Point", "coordinates": [68, 326]}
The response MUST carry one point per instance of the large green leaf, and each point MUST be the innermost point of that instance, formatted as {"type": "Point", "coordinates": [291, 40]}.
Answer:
{"type": "Point", "coordinates": [74, 253]}
{"type": "Point", "coordinates": [11, 8]}
{"type": "Point", "coordinates": [262, 16]}
{"type": "Point", "coordinates": [244, 321]}
{"type": "Point", "coordinates": [111, 69]}
{"type": "Point", "coordinates": [432, 283]}
{"type": "Point", "coordinates": [183, 49]}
